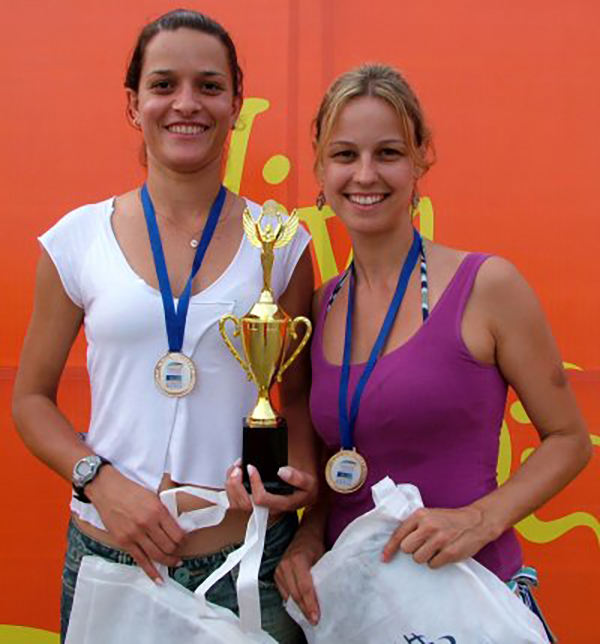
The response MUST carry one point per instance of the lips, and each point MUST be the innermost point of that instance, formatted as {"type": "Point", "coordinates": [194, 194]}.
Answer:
{"type": "Point", "coordinates": [188, 129]}
{"type": "Point", "coordinates": [366, 199]}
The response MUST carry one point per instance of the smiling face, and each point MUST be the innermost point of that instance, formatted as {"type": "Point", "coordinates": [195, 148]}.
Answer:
{"type": "Point", "coordinates": [185, 103]}
{"type": "Point", "coordinates": [367, 177]}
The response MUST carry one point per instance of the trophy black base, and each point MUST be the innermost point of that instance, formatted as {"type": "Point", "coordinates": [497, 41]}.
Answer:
{"type": "Point", "coordinates": [267, 449]}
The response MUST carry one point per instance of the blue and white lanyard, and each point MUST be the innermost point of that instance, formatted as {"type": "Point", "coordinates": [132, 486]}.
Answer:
{"type": "Point", "coordinates": [348, 421]}
{"type": "Point", "coordinates": [175, 318]}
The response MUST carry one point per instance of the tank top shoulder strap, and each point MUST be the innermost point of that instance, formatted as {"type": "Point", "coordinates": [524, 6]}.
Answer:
{"type": "Point", "coordinates": [329, 295]}
{"type": "Point", "coordinates": [464, 279]}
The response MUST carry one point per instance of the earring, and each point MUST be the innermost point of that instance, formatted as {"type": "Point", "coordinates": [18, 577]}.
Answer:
{"type": "Point", "coordinates": [414, 200]}
{"type": "Point", "coordinates": [320, 201]}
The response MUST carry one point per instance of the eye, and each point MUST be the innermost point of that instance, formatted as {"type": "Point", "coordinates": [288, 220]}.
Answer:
{"type": "Point", "coordinates": [343, 155]}
{"type": "Point", "coordinates": [161, 85]}
{"type": "Point", "coordinates": [212, 87]}
{"type": "Point", "coordinates": [391, 153]}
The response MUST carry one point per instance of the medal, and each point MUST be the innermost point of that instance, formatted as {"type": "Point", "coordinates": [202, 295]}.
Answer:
{"type": "Point", "coordinates": [175, 373]}
{"type": "Point", "coordinates": [346, 471]}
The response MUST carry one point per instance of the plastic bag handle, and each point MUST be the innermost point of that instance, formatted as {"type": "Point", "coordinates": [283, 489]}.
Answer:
{"type": "Point", "coordinates": [249, 555]}
{"type": "Point", "coordinates": [195, 519]}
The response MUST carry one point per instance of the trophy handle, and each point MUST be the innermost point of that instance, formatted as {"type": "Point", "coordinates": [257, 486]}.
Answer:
{"type": "Point", "coordinates": [293, 334]}
{"type": "Point", "coordinates": [230, 344]}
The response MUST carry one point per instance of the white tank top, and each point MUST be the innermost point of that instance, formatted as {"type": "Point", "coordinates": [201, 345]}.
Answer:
{"type": "Point", "coordinates": [144, 433]}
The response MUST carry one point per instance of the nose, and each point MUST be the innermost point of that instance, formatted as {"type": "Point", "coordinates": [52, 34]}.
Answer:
{"type": "Point", "coordinates": [186, 102]}
{"type": "Point", "coordinates": [365, 172]}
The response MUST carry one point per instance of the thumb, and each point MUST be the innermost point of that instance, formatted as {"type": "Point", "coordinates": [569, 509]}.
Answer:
{"type": "Point", "coordinates": [300, 480]}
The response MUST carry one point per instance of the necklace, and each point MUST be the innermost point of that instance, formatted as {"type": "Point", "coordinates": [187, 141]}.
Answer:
{"type": "Point", "coordinates": [194, 236]}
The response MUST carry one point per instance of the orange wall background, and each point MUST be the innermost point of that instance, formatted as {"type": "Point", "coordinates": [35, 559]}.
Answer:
{"type": "Point", "coordinates": [512, 91]}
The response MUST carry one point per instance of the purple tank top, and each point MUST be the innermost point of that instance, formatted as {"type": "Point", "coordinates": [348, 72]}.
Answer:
{"type": "Point", "coordinates": [430, 415]}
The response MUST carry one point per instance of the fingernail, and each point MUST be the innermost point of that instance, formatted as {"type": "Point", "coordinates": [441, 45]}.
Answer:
{"type": "Point", "coordinates": [235, 473]}
{"type": "Point", "coordinates": [179, 564]}
{"type": "Point", "coordinates": [314, 618]}
{"type": "Point", "coordinates": [285, 472]}
{"type": "Point", "coordinates": [159, 581]}
{"type": "Point", "coordinates": [238, 462]}
{"type": "Point", "coordinates": [251, 470]}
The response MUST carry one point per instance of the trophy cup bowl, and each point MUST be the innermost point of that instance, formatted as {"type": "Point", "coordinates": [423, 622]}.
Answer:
{"type": "Point", "coordinates": [266, 331]}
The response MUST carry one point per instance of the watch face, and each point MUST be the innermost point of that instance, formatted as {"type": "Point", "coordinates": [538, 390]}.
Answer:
{"type": "Point", "coordinates": [83, 469]}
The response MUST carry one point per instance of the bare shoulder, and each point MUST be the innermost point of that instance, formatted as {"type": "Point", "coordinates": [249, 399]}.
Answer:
{"type": "Point", "coordinates": [319, 296]}
{"type": "Point", "coordinates": [500, 278]}
{"type": "Point", "coordinates": [127, 205]}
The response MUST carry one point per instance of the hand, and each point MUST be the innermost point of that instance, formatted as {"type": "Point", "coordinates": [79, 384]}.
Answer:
{"type": "Point", "coordinates": [293, 576]}
{"type": "Point", "coordinates": [304, 495]}
{"type": "Point", "coordinates": [438, 536]}
{"type": "Point", "coordinates": [137, 520]}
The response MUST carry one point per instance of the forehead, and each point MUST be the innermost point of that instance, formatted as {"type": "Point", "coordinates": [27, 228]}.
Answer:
{"type": "Point", "coordinates": [185, 49]}
{"type": "Point", "coordinates": [366, 118]}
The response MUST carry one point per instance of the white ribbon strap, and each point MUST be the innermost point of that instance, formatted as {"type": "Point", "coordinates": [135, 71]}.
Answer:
{"type": "Point", "coordinates": [195, 519]}
{"type": "Point", "coordinates": [250, 555]}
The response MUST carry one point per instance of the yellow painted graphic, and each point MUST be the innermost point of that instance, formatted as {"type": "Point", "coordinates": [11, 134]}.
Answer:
{"type": "Point", "coordinates": [24, 635]}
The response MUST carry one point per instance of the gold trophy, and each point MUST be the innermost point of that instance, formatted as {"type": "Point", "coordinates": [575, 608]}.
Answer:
{"type": "Point", "coordinates": [266, 331]}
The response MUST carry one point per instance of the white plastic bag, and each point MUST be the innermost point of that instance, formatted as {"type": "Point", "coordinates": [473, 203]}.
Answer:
{"type": "Point", "coordinates": [119, 604]}
{"type": "Point", "coordinates": [364, 600]}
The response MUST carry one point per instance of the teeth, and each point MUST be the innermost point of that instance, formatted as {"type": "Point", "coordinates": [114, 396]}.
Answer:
{"type": "Point", "coordinates": [366, 200]}
{"type": "Point", "coordinates": [186, 129]}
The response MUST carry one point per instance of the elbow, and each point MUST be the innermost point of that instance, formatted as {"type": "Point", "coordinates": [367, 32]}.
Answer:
{"type": "Point", "coordinates": [587, 450]}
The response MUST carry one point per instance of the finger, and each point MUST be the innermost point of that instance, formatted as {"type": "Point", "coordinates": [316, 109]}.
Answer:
{"type": "Point", "coordinates": [173, 531]}
{"type": "Point", "coordinates": [275, 502]}
{"type": "Point", "coordinates": [146, 564]}
{"type": "Point", "coordinates": [428, 549]}
{"type": "Point", "coordinates": [398, 536]}
{"type": "Point", "coordinates": [153, 552]}
{"type": "Point", "coordinates": [239, 499]}
{"type": "Point", "coordinates": [162, 540]}
{"type": "Point", "coordinates": [280, 578]}
{"type": "Point", "coordinates": [257, 489]}
{"type": "Point", "coordinates": [296, 478]}
{"type": "Point", "coordinates": [230, 469]}
{"type": "Point", "coordinates": [451, 553]}
{"type": "Point", "coordinates": [306, 595]}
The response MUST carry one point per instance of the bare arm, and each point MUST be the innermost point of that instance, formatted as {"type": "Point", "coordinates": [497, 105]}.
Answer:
{"type": "Point", "coordinates": [132, 514]}
{"type": "Point", "coordinates": [293, 575]}
{"type": "Point", "coordinates": [527, 356]}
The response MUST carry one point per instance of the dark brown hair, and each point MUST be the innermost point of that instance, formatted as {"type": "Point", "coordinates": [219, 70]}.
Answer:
{"type": "Point", "coordinates": [183, 19]}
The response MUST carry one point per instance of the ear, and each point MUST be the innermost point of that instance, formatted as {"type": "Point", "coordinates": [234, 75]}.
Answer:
{"type": "Point", "coordinates": [132, 107]}
{"type": "Point", "coordinates": [236, 108]}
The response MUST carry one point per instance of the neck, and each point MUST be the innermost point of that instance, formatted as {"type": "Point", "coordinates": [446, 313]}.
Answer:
{"type": "Point", "coordinates": [183, 197]}
{"type": "Point", "coordinates": [379, 259]}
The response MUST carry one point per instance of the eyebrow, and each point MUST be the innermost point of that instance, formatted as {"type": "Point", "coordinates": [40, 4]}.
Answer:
{"type": "Point", "coordinates": [384, 142]}
{"type": "Point", "coordinates": [206, 72]}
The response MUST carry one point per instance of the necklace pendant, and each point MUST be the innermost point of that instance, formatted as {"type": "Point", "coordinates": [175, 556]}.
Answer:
{"type": "Point", "coordinates": [194, 243]}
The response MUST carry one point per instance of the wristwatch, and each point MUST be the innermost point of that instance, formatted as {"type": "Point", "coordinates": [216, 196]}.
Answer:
{"type": "Point", "coordinates": [85, 471]}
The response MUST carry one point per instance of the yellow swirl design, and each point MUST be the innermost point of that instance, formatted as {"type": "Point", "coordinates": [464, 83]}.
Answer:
{"type": "Point", "coordinates": [532, 528]}
{"type": "Point", "coordinates": [24, 635]}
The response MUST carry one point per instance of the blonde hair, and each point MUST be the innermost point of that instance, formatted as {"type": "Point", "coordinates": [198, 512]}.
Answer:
{"type": "Point", "coordinates": [386, 83]}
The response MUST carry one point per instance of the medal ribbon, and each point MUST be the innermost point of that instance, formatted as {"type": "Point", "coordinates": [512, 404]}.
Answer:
{"type": "Point", "coordinates": [175, 318]}
{"type": "Point", "coordinates": [347, 423]}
